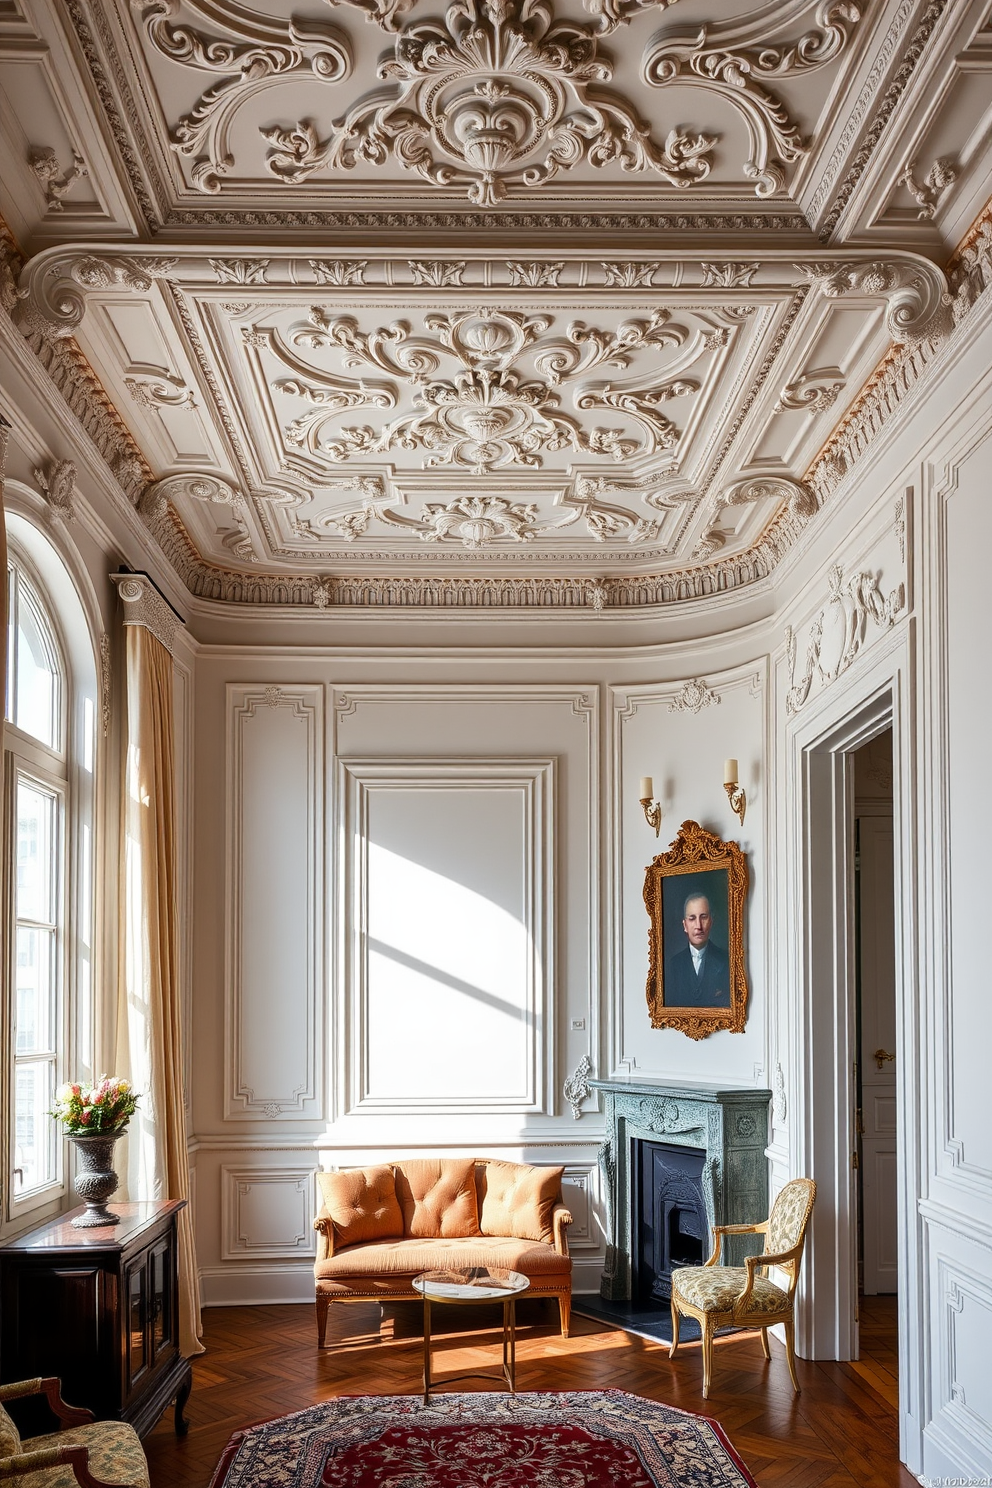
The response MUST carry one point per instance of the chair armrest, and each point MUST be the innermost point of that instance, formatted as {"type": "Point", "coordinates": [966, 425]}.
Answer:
{"type": "Point", "coordinates": [739, 1229]}
{"type": "Point", "coordinates": [754, 1263]}
{"type": "Point", "coordinates": [17, 1388]}
{"type": "Point", "coordinates": [75, 1457]}
{"type": "Point", "coordinates": [766, 1259]}
{"type": "Point", "coordinates": [51, 1388]}
{"type": "Point", "coordinates": [324, 1226]}
{"type": "Point", "coordinates": [561, 1218]}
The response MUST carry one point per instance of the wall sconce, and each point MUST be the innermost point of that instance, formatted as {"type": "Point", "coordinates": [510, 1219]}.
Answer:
{"type": "Point", "coordinates": [735, 792]}
{"type": "Point", "coordinates": [652, 808]}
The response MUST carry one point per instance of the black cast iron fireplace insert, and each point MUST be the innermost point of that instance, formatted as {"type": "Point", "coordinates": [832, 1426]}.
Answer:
{"type": "Point", "coordinates": [670, 1226]}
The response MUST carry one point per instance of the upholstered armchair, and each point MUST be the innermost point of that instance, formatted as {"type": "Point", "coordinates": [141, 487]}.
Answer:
{"type": "Point", "coordinates": [83, 1453]}
{"type": "Point", "coordinates": [737, 1296]}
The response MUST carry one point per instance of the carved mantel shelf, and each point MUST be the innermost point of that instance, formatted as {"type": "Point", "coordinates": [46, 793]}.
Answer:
{"type": "Point", "coordinates": [730, 1125]}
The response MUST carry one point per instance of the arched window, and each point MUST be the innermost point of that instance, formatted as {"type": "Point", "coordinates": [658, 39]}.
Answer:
{"type": "Point", "coordinates": [36, 750]}
{"type": "Point", "coordinates": [48, 820]}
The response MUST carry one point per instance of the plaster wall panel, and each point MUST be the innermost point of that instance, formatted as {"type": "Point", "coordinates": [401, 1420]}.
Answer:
{"type": "Point", "coordinates": [453, 947]}
{"type": "Point", "coordinates": [267, 1212]}
{"type": "Point", "coordinates": [965, 890]}
{"type": "Point", "coordinates": [274, 956]}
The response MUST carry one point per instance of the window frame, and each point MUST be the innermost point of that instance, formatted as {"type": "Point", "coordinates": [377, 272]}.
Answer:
{"type": "Point", "coordinates": [30, 759]}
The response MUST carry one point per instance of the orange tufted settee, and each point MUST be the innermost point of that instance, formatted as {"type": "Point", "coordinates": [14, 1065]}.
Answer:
{"type": "Point", "coordinates": [380, 1227]}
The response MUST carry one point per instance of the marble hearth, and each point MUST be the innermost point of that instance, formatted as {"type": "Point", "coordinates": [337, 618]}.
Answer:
{"type": "Point", "coordinates": [729, 1127]}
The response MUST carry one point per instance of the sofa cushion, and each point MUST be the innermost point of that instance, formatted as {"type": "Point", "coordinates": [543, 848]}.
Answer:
{"type": "Point", "coordinates": [362, 1204]}
{"type": "Point", "coordinates": [437, 1196]}
{"type": "Point", "coordinates": [516, 1199]}
{"type": "Point", "coordinates": [398, 1261]}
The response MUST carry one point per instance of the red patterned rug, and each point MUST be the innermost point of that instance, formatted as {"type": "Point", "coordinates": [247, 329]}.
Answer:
{"type": "Point", "coordinates": [578, 1439]}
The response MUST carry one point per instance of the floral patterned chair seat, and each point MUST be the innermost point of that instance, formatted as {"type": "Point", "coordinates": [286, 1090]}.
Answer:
{"type": "Point", "coordinates": [724, 1296]}
{"type": "Point", "coordinates": [83, 1454]}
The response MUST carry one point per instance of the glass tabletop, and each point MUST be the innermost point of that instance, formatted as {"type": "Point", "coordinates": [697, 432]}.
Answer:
{"type": "Point", "coordinates": [469, 1284]}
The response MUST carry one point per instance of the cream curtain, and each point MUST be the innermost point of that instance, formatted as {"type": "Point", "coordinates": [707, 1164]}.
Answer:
{"type": "Point", "coordinates": [149, 1037]}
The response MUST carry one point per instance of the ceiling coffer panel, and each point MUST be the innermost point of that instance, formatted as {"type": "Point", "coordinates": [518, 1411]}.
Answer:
{"type": "Point", "coordinates": [480, 102]}
{"type": "Point", "coordinates": [312, 412]}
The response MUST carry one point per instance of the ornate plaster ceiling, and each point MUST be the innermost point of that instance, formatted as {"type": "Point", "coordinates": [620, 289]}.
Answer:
{"type": "Point", "coordinates": [568, 289]}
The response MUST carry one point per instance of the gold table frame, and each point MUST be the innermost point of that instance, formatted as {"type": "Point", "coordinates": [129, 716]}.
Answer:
{"type": "Point", "coordinates": [455, 1297]}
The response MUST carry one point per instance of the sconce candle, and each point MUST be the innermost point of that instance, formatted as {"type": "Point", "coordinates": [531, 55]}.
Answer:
{"type": "Point", "coordinates": [652, 808]}
{"type": "Point", "coordinates": [735, 792]}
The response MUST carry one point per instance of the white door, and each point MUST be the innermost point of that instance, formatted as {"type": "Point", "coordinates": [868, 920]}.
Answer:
{"type": "Point", "coordinates": [878, 1048]}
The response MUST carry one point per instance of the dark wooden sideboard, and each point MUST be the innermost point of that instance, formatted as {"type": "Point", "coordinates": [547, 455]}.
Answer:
{"type": "Point", "coordinates": [100, 1309]}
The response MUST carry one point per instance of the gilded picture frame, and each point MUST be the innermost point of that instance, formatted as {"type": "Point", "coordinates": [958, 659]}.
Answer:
{"type": "Point", "coordinates": [694, 895]}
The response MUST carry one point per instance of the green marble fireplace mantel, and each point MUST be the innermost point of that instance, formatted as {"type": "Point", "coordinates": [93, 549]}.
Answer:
{"type": "Point", "coordinates": [729, 1125]}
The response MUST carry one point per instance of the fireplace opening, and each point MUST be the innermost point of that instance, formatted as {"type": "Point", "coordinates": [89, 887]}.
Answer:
{"type": "Point", "coordinates": [669, 1222]}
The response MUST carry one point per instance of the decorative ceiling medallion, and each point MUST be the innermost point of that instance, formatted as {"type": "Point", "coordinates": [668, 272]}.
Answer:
{"type": "Point", "coordinates": [486, 414]}
{"type": "Point", "coordinates": [498, 93]}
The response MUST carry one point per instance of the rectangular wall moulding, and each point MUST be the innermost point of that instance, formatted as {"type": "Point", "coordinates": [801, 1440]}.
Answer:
{"type": "Point", "coordinates": [267, 1213]}
{"type": "Point", "coordinates": [275, 962]}
{"type": "Point", "coordinates": [449, 887]}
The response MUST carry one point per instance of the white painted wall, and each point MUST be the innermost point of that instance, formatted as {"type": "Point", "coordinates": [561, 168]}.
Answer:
{"type": "Point", "coordinates": [482, 927]}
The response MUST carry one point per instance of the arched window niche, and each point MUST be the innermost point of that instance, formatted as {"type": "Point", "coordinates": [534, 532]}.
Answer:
{"type": "Point", "coordinates": [52, 734]}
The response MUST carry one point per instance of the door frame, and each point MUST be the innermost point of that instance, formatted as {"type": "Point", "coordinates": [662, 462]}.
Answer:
{"type": "Point", "coordinates": [876, 693]}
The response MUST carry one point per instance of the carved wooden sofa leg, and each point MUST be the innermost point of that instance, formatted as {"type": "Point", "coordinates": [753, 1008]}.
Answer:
{"type": "Point", "coordinates": [323, 1303]}
{"type": "Point", "coordinates": [565, 1308]}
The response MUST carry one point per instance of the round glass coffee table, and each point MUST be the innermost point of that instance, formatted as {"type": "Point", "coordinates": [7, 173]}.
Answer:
{"type": "Point", "coordinates": [467, 1288]}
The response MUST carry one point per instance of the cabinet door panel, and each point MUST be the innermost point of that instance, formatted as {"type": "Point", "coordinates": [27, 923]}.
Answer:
{"type": "Point", "coordinates": [60, 1321]}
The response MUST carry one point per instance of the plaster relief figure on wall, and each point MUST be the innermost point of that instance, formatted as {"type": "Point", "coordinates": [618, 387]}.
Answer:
{"type": "Point", "coordinates": [695, 895]}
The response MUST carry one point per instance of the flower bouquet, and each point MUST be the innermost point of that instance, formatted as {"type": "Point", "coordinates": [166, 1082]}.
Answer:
{"type": "Point", "coordinates": [100, 1109]}
{"type": "Point", "coordinates": [93, 1117]}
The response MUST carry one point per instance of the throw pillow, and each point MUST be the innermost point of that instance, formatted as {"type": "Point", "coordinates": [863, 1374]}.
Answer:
{"type": "Point", "coordinates": [362, 1204]}
{"type": "Point", "coordinates": [517, 1200]}
{"type": "Point", "coordinates": [438, 1198]}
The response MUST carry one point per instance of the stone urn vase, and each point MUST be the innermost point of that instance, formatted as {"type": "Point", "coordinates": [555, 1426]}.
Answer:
{"type": "Point", "coordinates": [95, 1177]}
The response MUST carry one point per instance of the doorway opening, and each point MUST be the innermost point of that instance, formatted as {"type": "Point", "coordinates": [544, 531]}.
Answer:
{"type": "Point", "coordinates": [876, 1121]}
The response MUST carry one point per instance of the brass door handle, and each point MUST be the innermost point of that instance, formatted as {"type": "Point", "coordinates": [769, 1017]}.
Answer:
{"type": "Point", "coordinates": [880, 1057]}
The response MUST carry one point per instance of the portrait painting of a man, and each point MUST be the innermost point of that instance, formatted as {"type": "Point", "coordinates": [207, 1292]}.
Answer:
{"type": "Point", "coordinates": [695, 896]}
{"type": "Point", "coordinates": [698, 975]}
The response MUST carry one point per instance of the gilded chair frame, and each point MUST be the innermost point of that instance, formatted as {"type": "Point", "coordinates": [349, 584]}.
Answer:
{"type": "Point", "coordinates": [742, 1313]}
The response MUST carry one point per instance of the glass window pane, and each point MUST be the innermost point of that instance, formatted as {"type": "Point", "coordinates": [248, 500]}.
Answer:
{"type": "Point", "coordinates": [34, 1012]}
{"type": "Point", "coordinates": [35, 845]}
{"type": "Point", "coordinates": [37, 694]}
{"type": "Point", "coordinates": [34, 1144]}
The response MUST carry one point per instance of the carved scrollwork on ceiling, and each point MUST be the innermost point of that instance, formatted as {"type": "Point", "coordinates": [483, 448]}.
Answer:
{"type": "Point", "coordinates": [812, 392]}
{"type": "Point", "coordinates": [488, 412]}
{"type": "Point", "coordinates": [802, 502]}
{"type": "Point", "coordinates": [258, 53]}
{"type": "Point", "coordinates": [739, 62]}
{"type": "Point", "coordinates": [187, 487]}
{"type": "Point", "coordinates": [496, 93]}
{"type": "Point", "coordinates": [493, 95]}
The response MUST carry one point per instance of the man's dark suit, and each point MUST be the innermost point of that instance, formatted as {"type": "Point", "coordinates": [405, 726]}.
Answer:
{"type": "Point", "coordinates": [711, 988]}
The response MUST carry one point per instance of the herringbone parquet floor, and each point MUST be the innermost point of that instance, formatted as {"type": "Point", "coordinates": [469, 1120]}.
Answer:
{"type": "Point", "coordinates": [841, 1432]}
